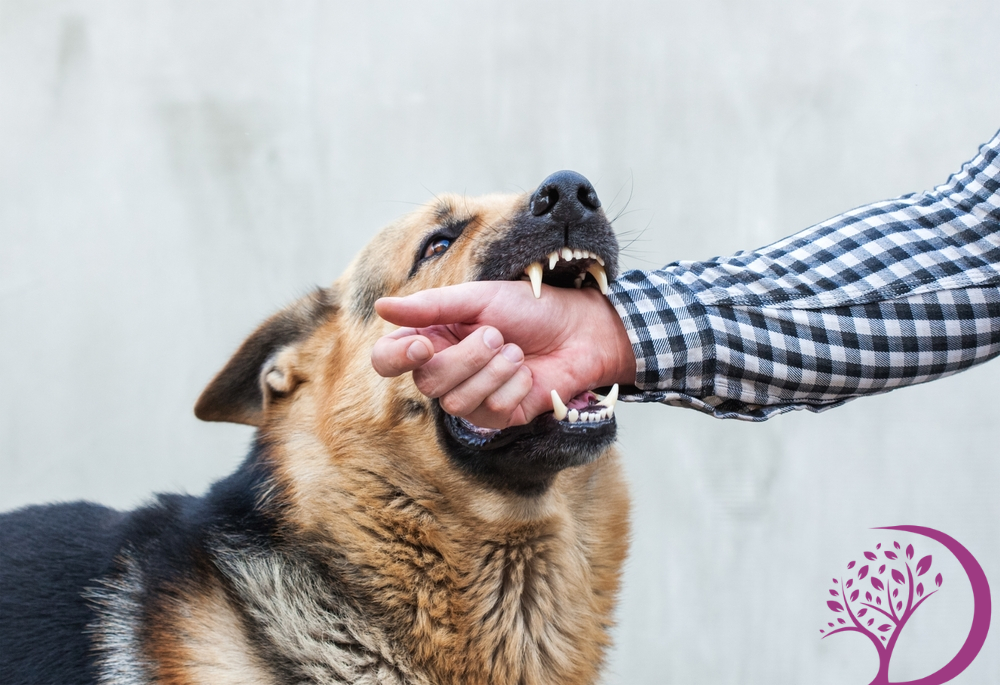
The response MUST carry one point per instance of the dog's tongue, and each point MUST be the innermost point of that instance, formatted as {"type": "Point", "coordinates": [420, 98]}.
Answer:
{"type": "Point", "coordinates": [583, 400]}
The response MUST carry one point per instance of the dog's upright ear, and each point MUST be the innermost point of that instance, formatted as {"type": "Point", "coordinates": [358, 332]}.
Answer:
{"type": "Point", "coordinates": [264, 366]}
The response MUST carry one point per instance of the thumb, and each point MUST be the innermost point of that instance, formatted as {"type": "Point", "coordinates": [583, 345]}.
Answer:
{"type": "Point", "coordinates": [452, 304]}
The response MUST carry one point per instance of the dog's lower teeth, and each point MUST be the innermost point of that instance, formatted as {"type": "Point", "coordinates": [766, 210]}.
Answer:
{"type": "Point", "coordinates": [558, 408]}
{"type": "Point", "coordinates": [573, 415]}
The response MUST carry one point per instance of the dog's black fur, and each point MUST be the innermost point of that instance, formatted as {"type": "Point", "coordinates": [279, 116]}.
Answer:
{"type": "Point", "coordinates": [51, 555]}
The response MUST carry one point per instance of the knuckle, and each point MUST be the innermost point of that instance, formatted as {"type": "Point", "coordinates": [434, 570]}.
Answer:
{"type": "Point", "coordinates": [452, 404]}
{"type": "Point", "coordinates": [425, 385]}
{"type": "Point", "coordinates": [497, 404]}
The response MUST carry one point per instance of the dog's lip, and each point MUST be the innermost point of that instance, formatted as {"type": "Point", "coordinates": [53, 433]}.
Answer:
{"type": "Point", "coordinates": [493, 438]}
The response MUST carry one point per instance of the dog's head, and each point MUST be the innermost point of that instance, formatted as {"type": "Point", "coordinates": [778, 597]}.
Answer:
{"type": "Point", "coordinates": [305, 379]}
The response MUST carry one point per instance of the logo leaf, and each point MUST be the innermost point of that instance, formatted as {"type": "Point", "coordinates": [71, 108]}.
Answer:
{"type": "Point", "coordinates": [938, 580]}
{"type": "Point", "coordinates": [868, 596]}
{"type": "Point", "coordinates": [862, 572]}
{"type": "Point", "coordinates": [884, 627]}
{"type": "Point", "coordinates": [890, 555]}
{"type": "Point", "coordinates": [834, 606]}
{"type": "Point", "coordinates": [870, 556]}
{"type": "Point", "coordinates": [850, 566]}
{"type": "Point", "coordinates": [881, 569]}
{"type": "Point", "coordinates": [834, 593]}
{"type": "Point", "coordinates": [898, 577]}
{"type": "Point", "coordinates": [877, 584]}
{"type": "Point", "coordinates": [920, 589]}
{"type": "Point", "coordinates": [849, 583]}
{"type": "Point", "coordinates": [870, 621]}
{"type": "Point", "coordinates": [909, 551]}
{"type": "Point", "coordinates": [924, 565]}
{"type": "Point", "coordinates": [864, 610]}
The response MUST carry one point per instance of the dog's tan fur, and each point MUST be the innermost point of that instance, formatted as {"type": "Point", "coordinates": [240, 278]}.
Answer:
{"type": "Point", "coordinates": [472, 584]}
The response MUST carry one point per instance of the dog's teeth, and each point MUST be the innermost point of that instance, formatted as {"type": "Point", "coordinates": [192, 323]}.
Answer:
{"type": "Point", "coordinates": [558, 408]}
{"type": "Point", "coordinates": [599, 260]}
{"type": "Point", "coordinates": [567, 254]}
{"type": "Point", "coordinates": [577, 254]}
{"type": "Point", "coordinates": [573, 415]}
{"type": "Point", "coordinates": [597, 272]}
{"type": "Point", "coordinates": [610, 400]}
{"type": "Point", "coordinates": [553, 258]}
{"type": "Point", "coordinates": [578, 283]}
{"type": "Point", "coordinates": [610, 411]}
{"type": "Point", "coordinates": [534, 272]}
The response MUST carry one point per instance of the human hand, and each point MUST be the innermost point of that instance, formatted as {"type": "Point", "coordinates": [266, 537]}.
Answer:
{"type": "Point", "coordinates": [568, 340]}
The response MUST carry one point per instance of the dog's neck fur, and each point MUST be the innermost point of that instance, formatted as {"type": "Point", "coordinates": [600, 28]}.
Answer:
{"type": "Point", "coordinates": [519, 598]}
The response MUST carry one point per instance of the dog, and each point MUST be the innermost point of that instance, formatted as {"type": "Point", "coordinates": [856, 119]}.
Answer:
{"type": "Point", "coordinates": [368, 537]}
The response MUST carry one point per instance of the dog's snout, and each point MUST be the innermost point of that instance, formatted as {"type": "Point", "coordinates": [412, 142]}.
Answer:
{"type": "Point", "coordinates": [564, 196]}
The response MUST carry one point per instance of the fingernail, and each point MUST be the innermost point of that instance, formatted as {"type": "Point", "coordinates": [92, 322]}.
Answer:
{"type": "Point", "coordinates": [512, 353]}
{"type": "Point", "coordinates": [492, 338]}
{"type": "Point", "coordinates": [418, 352]}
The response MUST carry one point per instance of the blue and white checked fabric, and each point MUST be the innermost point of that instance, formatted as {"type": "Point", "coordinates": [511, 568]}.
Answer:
{"type": "Point", "coordinates": [883, 296]}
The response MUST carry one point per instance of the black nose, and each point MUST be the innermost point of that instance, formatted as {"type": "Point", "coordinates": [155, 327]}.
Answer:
{"type": "Point", "coordinates": [564, 196]}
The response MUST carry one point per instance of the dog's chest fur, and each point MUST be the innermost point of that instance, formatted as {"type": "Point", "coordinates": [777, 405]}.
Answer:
{"type": "Point", "coordinates": [518, 610]}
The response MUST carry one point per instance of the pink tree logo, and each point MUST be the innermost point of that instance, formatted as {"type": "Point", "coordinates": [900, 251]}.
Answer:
{"type": "Point", "coordinates": [883, 589]}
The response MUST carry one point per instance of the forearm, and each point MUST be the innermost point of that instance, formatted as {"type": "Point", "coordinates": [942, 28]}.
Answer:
{"type": "Point", "coordinates": [887, 295]}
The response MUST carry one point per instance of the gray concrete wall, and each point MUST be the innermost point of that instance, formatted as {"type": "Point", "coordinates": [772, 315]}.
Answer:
{"type": "Point", "coordinates": [172, 172]}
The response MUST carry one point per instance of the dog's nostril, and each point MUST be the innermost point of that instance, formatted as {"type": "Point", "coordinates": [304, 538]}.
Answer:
{"type": "Point", "coordinates": [543, 200]}
{"type": "Point", "coordinates": [565, 195]}
{"type": "Point", "coordinates": [588, 196]}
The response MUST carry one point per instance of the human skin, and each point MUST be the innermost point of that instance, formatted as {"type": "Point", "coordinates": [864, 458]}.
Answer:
{"type": "Point", "coordinates": [491, 352]}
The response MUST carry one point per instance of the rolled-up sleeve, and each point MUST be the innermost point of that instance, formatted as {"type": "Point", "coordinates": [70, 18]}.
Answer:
{"type": "Point", "coordinates": [886, 295]}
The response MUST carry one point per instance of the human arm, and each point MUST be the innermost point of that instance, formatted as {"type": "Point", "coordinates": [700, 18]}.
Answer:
{"type": "Point", "coordinates": [886, 295]}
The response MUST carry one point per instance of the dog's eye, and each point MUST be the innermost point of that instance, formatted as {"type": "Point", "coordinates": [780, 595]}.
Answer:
{"type": "Point", "coordinates": [436, 246]}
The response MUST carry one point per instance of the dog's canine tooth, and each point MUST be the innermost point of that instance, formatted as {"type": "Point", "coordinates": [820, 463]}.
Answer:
{"type": "Point", "coordinates": [597, 271]}
{"type": "Point", "coordinates": [599, 260]}
{"type": "Point", "coordinates": [534, 271]}
{"type": "Point", "coordinates": [611, 398]}
{"type": "Point", "coordinates": [553, 258]}
{"type": "Point", "coordinates": [567, 254]}
{"type": "Point", "coordinates": [558, 408]}
{"type": "Point", "coordinates": [573, 415]}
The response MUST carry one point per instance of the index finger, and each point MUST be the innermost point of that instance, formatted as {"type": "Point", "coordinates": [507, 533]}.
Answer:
{"type": "Point", "coordinates": [461, 303]}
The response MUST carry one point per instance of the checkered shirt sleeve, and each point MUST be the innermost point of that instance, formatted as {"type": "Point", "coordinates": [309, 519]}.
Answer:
{"type": "Point", "coordinates": [883, 296]}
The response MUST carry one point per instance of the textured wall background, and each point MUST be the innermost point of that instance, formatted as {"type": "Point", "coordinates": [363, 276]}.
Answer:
{"type": "Point", "coordinates": [171, 173]}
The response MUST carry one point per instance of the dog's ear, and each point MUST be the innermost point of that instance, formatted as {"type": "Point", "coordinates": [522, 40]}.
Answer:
{"type": "Point", "coordinates": [265, 364]}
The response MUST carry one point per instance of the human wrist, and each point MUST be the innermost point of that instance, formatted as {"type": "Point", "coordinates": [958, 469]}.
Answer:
{"type": "Point", "coordinates": [617, 358]}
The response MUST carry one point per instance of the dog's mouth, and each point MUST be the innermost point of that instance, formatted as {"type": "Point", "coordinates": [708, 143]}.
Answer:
{"type": "Point", "coordinates": [576, 431]}
{"type": "Point", "coordinates": [567, 268]}
{"type": "Point", "coordinates": [561, 239]}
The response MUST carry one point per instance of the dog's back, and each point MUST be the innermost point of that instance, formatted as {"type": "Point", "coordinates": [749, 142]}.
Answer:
{"type": "Point", "coordinates": [48, 554]}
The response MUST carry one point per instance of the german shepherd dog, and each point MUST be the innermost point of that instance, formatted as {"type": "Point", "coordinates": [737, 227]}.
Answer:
{"type": "Point", "coordinates": [368, 537]}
